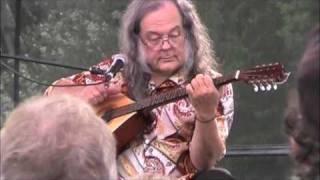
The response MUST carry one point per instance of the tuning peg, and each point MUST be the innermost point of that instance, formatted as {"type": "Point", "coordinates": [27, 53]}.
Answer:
{"type": "Point", "coordinates": [275, 87]}
{"type": "Point", "coordinates": [269, 87]}
{"type": "Point", "coordinates": [255, 88]}
{"type": "Point", "coordinates": [262, 87]}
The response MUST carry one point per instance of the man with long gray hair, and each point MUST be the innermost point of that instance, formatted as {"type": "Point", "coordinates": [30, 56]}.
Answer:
{"type": "Point", "coordinates": [167, 47]}
{"type": "Point", "coordinates": [56, 138]}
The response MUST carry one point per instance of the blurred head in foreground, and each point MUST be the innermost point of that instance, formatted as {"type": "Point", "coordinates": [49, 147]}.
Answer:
{"type": "Point", "coordinates": [56, 137]}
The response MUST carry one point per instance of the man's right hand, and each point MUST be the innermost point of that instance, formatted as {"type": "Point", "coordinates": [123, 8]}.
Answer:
{"type": "Point", "coordinates": [93, 94]}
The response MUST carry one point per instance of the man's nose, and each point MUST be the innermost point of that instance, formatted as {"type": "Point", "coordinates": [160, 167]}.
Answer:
{"type": "Point", "coordinates": [166, 44]}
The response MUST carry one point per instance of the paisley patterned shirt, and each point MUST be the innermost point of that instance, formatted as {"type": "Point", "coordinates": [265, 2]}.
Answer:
{"type": "Point", "coordinates": [165, 149]}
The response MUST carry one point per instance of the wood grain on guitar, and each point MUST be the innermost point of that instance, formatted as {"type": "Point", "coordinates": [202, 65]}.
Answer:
{"type": "Point", "coordinates": [122, 113]}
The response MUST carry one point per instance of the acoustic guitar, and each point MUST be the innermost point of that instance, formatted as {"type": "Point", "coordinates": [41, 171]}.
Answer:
{"type": "Point", "coordinates": [122, 115]}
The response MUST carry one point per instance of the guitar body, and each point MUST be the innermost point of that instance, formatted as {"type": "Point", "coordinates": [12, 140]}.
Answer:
{"type": "Point", "coordinates": [126, 127]}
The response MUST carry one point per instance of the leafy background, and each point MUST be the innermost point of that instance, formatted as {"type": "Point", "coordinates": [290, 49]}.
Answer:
{"type": "Point", "coordinates": [245, 33]}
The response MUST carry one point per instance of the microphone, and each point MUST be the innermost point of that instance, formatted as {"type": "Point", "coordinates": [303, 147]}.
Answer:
{"type": "Point", "coordinates": [118, 62]}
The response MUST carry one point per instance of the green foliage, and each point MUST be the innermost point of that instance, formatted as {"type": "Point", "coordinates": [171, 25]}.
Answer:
{"type": "Point", "coordinates": [80, 33]}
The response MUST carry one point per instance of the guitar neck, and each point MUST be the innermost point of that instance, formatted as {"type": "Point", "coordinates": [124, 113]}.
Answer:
{"type": "Point", "coordinates": [162, 98]}
{"type": "Point", "coordinates": [178, 93]}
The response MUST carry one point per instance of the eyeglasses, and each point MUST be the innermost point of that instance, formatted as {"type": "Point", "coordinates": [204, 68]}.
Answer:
{"type": "Point", "coordinates": [155, 40]}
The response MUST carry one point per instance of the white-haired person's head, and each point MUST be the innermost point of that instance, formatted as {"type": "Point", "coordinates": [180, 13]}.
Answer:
{"type": "Point", "coordinates": [56, 138]}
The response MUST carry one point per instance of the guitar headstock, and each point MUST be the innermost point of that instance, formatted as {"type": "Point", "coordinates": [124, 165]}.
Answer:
{"type": "Point", "coordinates": [264, 77]}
